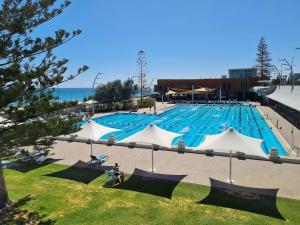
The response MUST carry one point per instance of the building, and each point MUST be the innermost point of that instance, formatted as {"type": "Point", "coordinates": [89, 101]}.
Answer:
{"type": "Point", "coordinates": [242, 73]}
{"type": "Point", "coordinates": [230, 88]}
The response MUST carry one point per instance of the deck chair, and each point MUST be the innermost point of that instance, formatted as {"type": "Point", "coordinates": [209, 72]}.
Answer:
{"type": "Point", "coordinates": [110, 177]}
{"type": "Point", "coordinates": [23, 156]}
{"type": "Point", "coordinates": [39, 159]}
{"type": "Point", "coordinates": [98, 160]}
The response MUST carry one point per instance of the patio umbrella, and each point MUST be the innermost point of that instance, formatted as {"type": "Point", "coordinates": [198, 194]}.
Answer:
{"type": "Point", "coordinates": [231, 141]}
{"type": "Point", "coordinates": [93, 131]}
{"type": "Point", "coordinates": [153, 135]}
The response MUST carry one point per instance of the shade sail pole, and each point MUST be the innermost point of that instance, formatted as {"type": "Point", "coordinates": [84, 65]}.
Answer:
{"type": "Point", "coordinates": [152, 160]}
{"type": "Point", "coordinates": [230, 169]}
{"type": "Point", "coordinates": [91, 147]}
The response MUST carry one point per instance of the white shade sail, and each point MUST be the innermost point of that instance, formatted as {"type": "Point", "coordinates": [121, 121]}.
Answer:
{"type": "Point", "coordinates": [287, 95]}
{"type": "Point", "coordinates": [231, 140]}
{"type": "Point", "coordinates": [152, 134]}
{"type": "Point", "coordinates": [90, 102]}
{"type": "Point", "coordinates": [93, 131]}
{"type": "Point", "coordinates": [170, 92]}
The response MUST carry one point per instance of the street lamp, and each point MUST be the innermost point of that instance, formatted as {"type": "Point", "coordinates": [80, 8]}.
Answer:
{"type": "Point", "coordinates": [291, 66]}
{"type": "Point", "coordinates": [97, 77]}
{"type": "Point", "coordinates": [149, 88]}
{"type": "Point", "coordinates": [278, 72]}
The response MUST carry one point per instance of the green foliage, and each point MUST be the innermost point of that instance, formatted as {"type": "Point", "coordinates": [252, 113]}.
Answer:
{"type": "Point", "coordinates": [28, 70]}
{"type": "Point", "coordinates": [147, 102]}
{"type": "Point", "coordinates": [115, 91]}
{"type": "Point", "coordinates": [263, 60]}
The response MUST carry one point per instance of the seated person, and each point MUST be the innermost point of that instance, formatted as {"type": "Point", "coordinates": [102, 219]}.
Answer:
{"type": "Point", "coordinates": [119, 174]}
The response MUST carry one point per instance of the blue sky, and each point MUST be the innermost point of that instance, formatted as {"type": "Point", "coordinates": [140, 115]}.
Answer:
{"type": "Point", "coordinates": [181, 38]}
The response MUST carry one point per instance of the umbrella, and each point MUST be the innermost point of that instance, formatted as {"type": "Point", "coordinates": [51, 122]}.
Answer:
{"type": "Point", "coordinates": [93, 131]}
{"type": "Point", "coordinates": [232, 141]}
{"type": "Point", "coordinates": [153, 135]}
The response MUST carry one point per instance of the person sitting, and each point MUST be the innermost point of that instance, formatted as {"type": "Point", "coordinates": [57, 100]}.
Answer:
{"type": "Point", "coordinates": [119, 174]}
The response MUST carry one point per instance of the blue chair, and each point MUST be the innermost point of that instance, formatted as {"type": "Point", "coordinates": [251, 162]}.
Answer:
{"type": "Point", "coordinates": [110, 177]}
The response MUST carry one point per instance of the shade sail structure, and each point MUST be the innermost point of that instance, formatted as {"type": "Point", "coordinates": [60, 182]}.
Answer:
{"type": "Point", "coordinates": [90, 102]}
{"type": "Point", "coordinates": [4, 122]}
{"type": "Point", "coordinates": [287, 96]}
{"type": "Point", "coordinates": [152, 134]}
{"type": "Point", "coordinates": [93, 131]}
{"type": "Point", "coordinates": [202, 90]}
{"type": "Point", "coordinates": [170, 92]}
{"type": "Point", "coordinates": [233, 141]}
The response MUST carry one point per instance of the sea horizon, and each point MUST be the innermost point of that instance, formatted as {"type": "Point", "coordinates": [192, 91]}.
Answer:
{"type": "Point", "coordinates": [72, 93]}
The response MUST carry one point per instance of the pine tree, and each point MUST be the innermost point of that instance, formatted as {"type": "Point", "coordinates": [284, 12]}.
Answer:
{"type": "Point", "coordinates": [263, 60]}
{"type": "Point", "coordinates": [28, 70]}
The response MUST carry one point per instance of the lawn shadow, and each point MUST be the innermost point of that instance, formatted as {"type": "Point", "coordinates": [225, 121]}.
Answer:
{"type": "Point", "coordinates": [256, 200]}
{"type": "Point", "coordinates": [80, 172]}
{"type": "Point", "coordinates": [24, 167]}
{"type": "Point", "coordinates": [16, 214]}
{"type": "Point", "coordinates": [142, 181]}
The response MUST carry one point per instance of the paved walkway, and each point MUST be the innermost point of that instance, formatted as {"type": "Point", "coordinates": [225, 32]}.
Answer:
{"type": "Point", "coordinates": [159, 108]}
{"type": "Point", "coordinates": [283, 126]}
{"type": "Point", "coordinates": [198, 168]}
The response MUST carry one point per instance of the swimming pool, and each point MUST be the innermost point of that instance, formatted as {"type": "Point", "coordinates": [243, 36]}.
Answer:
{"type": "Point", "coordinates": [195, 121]}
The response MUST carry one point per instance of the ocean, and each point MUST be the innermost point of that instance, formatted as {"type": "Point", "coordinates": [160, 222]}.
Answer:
{"type": "Point", "coordinates": [67, 94]}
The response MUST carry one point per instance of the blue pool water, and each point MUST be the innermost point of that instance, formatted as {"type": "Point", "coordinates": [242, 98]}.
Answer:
{"type": "Point", "coordinates": [196, 121]}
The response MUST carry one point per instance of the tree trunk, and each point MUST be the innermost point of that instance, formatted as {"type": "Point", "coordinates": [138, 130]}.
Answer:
{"type": "Point", "coordinates": [3, 191]}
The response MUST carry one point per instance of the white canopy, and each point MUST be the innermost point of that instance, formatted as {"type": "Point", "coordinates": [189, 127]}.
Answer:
{"type": "Point", "coordinates": [4, 122]}
{"type": "Point", "coordinates": [152, 134]}
{"type": "Point", "coordinates": [170, 92]}
{"type": "Point", "coordinates": [287, 96]}
{"type": "Point", "coordinates": [93, 131]}
{"type": "Point", "coordinates": [90, 102]}
{"type": "Point", "coordinates": [231, 140]}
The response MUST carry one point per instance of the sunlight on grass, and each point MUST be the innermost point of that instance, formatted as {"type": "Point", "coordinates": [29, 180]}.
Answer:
{"type": "Point", "coordinates": [70, 202]}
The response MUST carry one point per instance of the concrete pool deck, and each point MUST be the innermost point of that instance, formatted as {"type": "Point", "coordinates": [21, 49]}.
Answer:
{"type": "Point", "coordinates": [198, 168]}
{"type": "Point", "coordinates": [284, 128]}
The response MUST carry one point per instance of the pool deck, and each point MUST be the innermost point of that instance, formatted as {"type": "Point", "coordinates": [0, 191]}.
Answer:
{"type": "Point", "coordinates": [160, 107]}
{"type": "Point", "coordinates": [284, 129]}
{"type": "Point", "coordinates": [198, 168]}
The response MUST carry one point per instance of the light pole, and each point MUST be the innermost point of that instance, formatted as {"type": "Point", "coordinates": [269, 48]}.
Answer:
{"type": "Point", "coordinates": [291, 66]}
{"type": "Point", "coordinates": [278, 72]}
{"type": "Point", "coordinates": [149, 88]}
{"type": "Point", "coordinates": [97, 77]}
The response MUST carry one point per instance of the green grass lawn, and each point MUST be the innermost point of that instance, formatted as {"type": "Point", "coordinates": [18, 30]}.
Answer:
{"type": "Point", "coordinates": [53, 200]}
